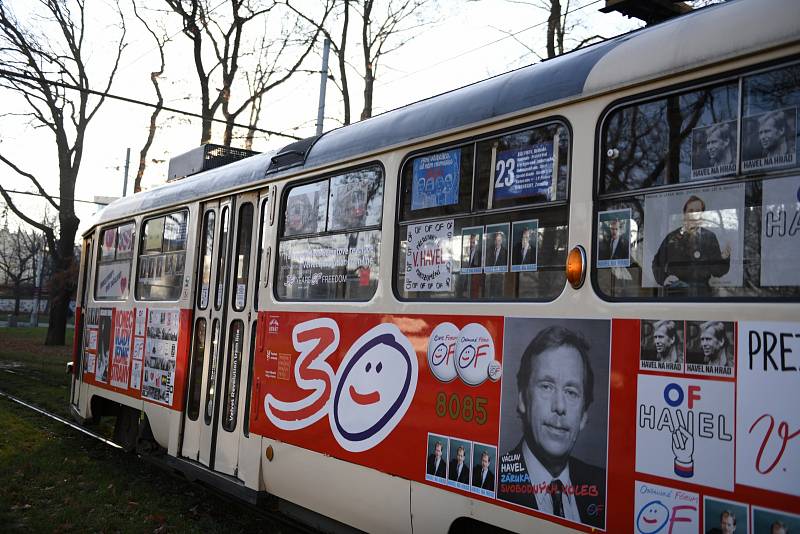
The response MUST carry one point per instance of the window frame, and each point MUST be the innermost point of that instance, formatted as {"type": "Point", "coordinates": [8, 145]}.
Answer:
{"type": "Point", "coordinates": [100, 261]}
{"type": "Point", "coordinates": [280, 239]}
{"type": "Point", "coordinates": [140, 248]}
{"type": "Point", "coordinates": [474, 140]}
{"type": "Point", "coordinates": [740, 176]}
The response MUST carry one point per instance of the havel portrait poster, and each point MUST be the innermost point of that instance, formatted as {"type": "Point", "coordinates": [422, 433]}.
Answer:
{"type": "Point", "coordinates": [436, 179]}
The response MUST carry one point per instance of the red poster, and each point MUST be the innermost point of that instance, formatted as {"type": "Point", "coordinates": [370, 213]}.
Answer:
{"type": "Point", "coordinates": [370, 388]}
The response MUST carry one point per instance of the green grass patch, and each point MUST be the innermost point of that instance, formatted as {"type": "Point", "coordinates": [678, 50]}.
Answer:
{"type": "Point", "coordinates": [54, 479]}
{"type": "Point", "coordinates": [35, 372]}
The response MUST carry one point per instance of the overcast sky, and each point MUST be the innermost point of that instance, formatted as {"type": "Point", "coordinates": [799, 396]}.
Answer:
{"type": "Point", "coordinates": [467, 42]}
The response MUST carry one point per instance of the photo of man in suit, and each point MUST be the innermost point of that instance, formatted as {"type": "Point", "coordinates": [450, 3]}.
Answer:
{"type": "Point", "coordinates": [555, 389]}
{"type": "Point", "coordinates": [524, 234]}
{"type": "Point", "coordinates": [472, 257]}
{"type": "Point", "coordinates": [459, 471]}
{"type": "Point", "coordinates": [483, 476]}
{"type": "Point", "coordinates": [615, 244]}
{"type": "Point", "coordinates": [437, 466]}
{"type": "Point", "coordinates": [496, 249]}
{"type": "Point", "coordinates": [727, 523]}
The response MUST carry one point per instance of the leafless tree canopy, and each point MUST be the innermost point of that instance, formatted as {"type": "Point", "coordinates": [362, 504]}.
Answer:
{"type": "Point", "coordinates": [219, 45]}
{"type": "Point", "coordinates": [40, 56]}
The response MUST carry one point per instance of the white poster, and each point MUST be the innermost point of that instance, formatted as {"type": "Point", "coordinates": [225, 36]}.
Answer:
{"type": "Point", "coordinates": [160, 355]}
{"type": "Point", "coordinates": [780, 232]}
{"type": "Point", "coordinates": [113, 279]}
{"type": "Point", "coordinates": [694, 238]}
{"type": "Point", "coordinates": [662, 509]}
{"type": "Point", "coordinates": [141, 321]}
{"type": "Point", "coordinates": [136, 374]}
{"type": "Point", "coordinates": [429, 257]}
{"type": "Point", "coordinates": [767, 415]}
{"type": "Point", "coordinates": [685, 429]}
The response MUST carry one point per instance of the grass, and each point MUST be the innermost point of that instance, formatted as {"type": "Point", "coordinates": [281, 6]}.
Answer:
{"type": "Point", "coordinates": [34, 372]}
{"type": "Point", "coordinates": [55, 479]}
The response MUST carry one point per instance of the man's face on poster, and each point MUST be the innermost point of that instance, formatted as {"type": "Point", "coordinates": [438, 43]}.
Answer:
{"type": "Point", "coordinates": [769, 135]}
{"type": "Point", "coordinates": [662, 341]}
{"type": "Point", "coordinates": [726, 524]}
{"type": "Point", "coordinates": [437, 451]}
{"type": "Point", "coordinates": [526, 238]}
{"type": "Point", "coordinates": [778, 529]}
{"type": "Point", "coordinates": [613, 226]}
{"type": "Point", "coordinates": [692, 216]}
{"type": "Point", "coordinates": [460, 455]}
{"type": "Point", "coordinates": [473, 239]}
{"type": "Point", "coordinates": [484, 461]}
{"type": "Point", "coordinates": [715, 145]}
{"type": "Point", "coordinates": [498, 240]}
{"type": "Point", "coordinates": [552, 408]}
{"type": "Point", "coordinates": [709, 343]}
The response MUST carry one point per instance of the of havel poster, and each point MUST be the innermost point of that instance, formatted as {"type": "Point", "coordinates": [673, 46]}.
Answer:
{"type": "Point", "coordinates": [524, 172]}
{"type": "Point", "coordinates": [429, 257]}
{"type": "Point", "coordinates": [160, 355]}
{"type": "Point", "coordinates": [694, 239]}
{"type": "Point", "coordinates": [780, 232]}
{"type": "Point", "coordinates": [90, 340]}
{"type": "Point", "coordinates": [435, 180]}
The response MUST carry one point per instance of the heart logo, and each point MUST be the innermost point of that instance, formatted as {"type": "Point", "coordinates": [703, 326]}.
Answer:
{"type": "Point", "coordinates": [123, 284]}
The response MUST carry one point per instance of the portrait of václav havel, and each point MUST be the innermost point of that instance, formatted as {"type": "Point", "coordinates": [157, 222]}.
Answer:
{"type": "Point", "coordinates": [554, 417]}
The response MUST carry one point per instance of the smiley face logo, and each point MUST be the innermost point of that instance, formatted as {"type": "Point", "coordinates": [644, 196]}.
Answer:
{"type": "Point", "coordinates": [474, 353]}
{"type": "Point", "coordinates": [652, 518]}
{"type": "Point", "coordinates": [441, 352]}
{"type": "Point", "coordinates": [376, 382]}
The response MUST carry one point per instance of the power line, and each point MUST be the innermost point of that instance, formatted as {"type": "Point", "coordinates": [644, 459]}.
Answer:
{"type": "Point", "coordinates": [54, 198]}
{"type": "Point", "coordinates": [105, 94]}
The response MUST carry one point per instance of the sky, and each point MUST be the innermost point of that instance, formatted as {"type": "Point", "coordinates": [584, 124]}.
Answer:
{"type": "Point", "coordinates": [467, 41]}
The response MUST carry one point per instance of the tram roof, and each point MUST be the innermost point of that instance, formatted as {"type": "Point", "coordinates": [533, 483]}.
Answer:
{"type": "Point", "coordinates": [697, 38]}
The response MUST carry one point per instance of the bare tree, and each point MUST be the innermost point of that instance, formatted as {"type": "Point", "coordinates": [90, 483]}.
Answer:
{"type": "Point", "coordinates": [220, 38]}
{"type": "Point", "coordinates": [20, 257]}
{"type": "Point", "coordinates": [382, 32]}
{"type": "Point", "coordinates": [384, 26]}
{"type": "Point", "coordinates": [161, 38]}
{"type": "Point", "coordinates": [562, 23]}
{"type": "Point", "coordinates": [44, 63]}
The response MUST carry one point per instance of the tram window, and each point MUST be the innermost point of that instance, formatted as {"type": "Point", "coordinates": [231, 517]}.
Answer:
{"type": "Point", "coordinates": [512, 243]}
{"type": "Point", "coordinates": [262, 237]}
{"type": "Point", "coordinates": [231, 406]}
{"type": "Point", "coordinates": [114, 264]}
{"type": "Point", "coordinates": [211, 381]}
{"type": "Point", "coordinates": [530, 167]}
{"type": "Point", "coordinates": [438, 184]}
{"type": "Point", "coordinates": [729, 239]}
{"type": "Point", "coordinates": [205, 259]}
{"type": "Point", "coordinates": [306, 209]}
{"type": "Point", "coordinates": [769, 127]}
{"type": "Point", "coordinates": [684, 137]}
{"type": "Point", "coordinates": [162, 257]}
{"type": "Point", "coordinates": [196, 379]}
{"type": "Point", "coordinates": [340, 260]}
{"type": "Point", "coordinates": [222, 263]}
{"type": "Point", "coordinates": [242, 258]}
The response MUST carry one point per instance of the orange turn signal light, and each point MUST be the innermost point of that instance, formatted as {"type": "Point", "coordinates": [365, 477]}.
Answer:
{"type": "Point", "coordinates": [576, 266]}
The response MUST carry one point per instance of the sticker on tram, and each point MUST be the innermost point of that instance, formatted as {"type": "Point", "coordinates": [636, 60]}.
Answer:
{"type": "Point", "coordinates": [660, 509]}
{"type": "Point", "coordinates": [372, 388]}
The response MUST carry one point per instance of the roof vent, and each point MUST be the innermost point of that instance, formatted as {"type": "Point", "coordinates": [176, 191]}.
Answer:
{"type": "Point", "coordinates": [203, 158]}
{"type": "Point", "coordinates": [292, 154]}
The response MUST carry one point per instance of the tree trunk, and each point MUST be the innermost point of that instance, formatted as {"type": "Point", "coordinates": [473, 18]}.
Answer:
{"type": "Point", "coordinates": [62, 281]}
{"type": "Point", "coordinates": [553, 24]}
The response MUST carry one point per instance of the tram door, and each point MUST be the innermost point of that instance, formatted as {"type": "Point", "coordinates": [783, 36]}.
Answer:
{"type": "Point", "coordinates": [81, 301]}
{"type": "Point", "coordinates": [226, 283]}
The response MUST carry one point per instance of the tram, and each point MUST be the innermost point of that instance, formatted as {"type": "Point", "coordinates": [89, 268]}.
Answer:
{"type": "Point", "coordinates": [563, 299]}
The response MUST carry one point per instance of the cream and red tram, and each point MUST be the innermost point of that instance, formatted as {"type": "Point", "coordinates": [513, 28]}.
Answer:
{"type": "Point", "coordinates": [377, 327]}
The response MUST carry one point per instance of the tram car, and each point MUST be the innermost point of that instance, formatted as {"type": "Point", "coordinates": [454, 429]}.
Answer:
{"type": "Point", "coordinates": [563, 299]}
